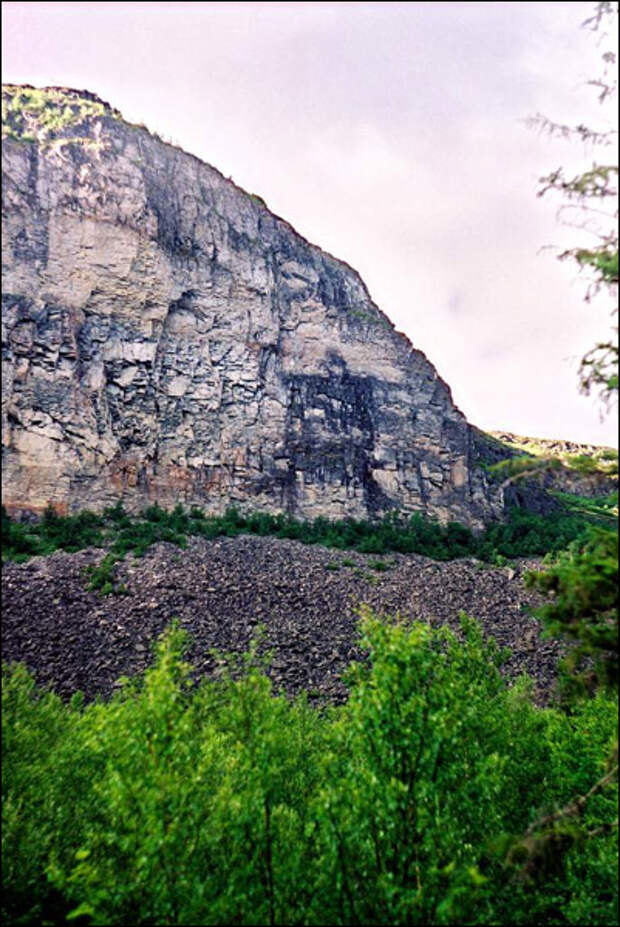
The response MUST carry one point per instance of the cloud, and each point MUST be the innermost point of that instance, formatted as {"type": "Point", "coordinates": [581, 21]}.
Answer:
{"type": "Point", "coordinates": [392, 135]}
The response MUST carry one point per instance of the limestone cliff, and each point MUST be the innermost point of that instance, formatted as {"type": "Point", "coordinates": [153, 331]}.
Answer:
{"type": "Point", "coordinates": [167, 338]}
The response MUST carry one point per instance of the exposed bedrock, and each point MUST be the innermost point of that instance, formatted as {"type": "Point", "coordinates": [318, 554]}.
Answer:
{"type": "Point", "coordinates": [167, 338]}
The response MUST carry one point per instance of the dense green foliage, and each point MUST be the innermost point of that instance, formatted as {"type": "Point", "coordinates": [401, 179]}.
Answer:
{"type": "Point", "coordinates": [605, 508]}
{"type": "Point", "coordinates": [224, 803]}
{"type": "Point", "coordinates": [523, 534]}
{"type": "Point", "coordinates": [584, 607]}
{"type": "Point", "coordinates": [606, 464]}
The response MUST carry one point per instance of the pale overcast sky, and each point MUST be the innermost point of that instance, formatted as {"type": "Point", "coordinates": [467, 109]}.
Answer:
{"type": "Point", "coordinates": [391, 135]}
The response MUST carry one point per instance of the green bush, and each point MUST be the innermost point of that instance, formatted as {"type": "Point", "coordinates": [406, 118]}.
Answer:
{"type": "Point", "coordinates": [46, 796]}
{"type": "Point", "coordinates": [583, 581]}
{"type": "Point", "coordinates": [568, 875]}
{"type": "Point", "coordinates": [432, 758]}
{"type": "Point", "coordinates": [601, 509]}
{"type": "Point", "coordinates": [525, 534]}
{"type": "Point", "coordinates": [102, 576]}
{"type": "Point", "coordinates": [117, 515]}
{"type": "Point", "coordinates": [221, 802]}
{"type": "Point", "coordinates": [19, 541]}
{"type": "Point", "coordinates": [522, 534]}
{"type": "Point", "coordinates": [582, 463]}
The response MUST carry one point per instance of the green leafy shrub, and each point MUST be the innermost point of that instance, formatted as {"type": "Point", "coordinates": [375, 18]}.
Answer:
{"type": "Point", "coordinates": [414, 782]}
{"type": "Point", "coordinates": [102, 576]}
{"type": "Point", "coordinates": [19, 541]}
{"type": "Point", "coordinates": [224, 803]}
{"type": "Point", "coordinates": [522, 534]}
{"type": "Point", "coordinates": [117, 515]}
{"type": "Point", "coordinates": [584, 608]}
{"type": "Point", "coordinates": [525, 534]}
{"type": "Point", "coordinates": [601, 509]}
{"type": "Point", "coordinates": [47, 774]}
{"type": "Point", "coordinates": [565, 870]}
{"type": "Point", "coordinates": [582, 463]}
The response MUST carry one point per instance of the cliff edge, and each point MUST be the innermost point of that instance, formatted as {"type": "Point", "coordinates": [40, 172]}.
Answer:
{"type": "Point", "coordinates": [166, 338]}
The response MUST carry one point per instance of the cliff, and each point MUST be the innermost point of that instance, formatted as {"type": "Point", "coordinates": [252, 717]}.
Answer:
{"type": "Point", "coordinates": [167, 338]}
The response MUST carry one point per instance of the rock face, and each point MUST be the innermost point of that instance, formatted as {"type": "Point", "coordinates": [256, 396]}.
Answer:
{"type": "Point", "coordinates": [167, 338]}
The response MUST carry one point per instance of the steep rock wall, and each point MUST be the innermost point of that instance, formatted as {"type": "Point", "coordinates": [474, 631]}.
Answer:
{"type": "Point", "coordinates": [166, 338]}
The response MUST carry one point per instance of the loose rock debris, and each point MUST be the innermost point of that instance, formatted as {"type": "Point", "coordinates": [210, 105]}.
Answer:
{"type": "Point", "coordinates": [306, 597]}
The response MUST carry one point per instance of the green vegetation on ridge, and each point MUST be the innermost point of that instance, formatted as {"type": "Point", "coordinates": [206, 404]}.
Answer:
{"type": "Point", "coordinates": [42, 114]}
{"type": "Point", "coordinates": [523, 534]}
{"type": "Point", "coordinates": [584, 459]}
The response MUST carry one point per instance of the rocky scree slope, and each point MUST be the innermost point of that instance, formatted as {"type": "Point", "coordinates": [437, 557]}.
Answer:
{"type": "Point", "coordinates": [166, 338]}
{"type": "Point", "coordinates": [307, 599]}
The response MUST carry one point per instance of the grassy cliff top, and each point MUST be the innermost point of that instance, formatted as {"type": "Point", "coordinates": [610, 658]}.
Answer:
{"type": "Point", "coordinates": [586, 458]}
{"type": "Point", "coordinates": [32, 114]}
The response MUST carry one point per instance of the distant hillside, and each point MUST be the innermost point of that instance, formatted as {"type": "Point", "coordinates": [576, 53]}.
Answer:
{"type": "Point", "coordinates": [558, 467]}
{"type": "Point", "coordinates": [581, 458]}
